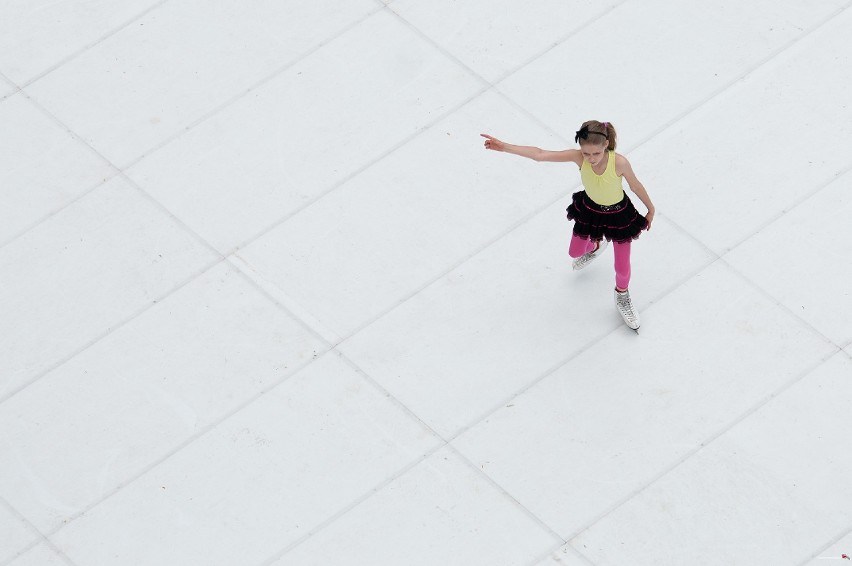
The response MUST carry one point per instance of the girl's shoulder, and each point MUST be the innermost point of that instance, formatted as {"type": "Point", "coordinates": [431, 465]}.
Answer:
{"type": "Point", "coordinates": [574, 156]}
{"type": "Point", "coordinates": [621, 163]}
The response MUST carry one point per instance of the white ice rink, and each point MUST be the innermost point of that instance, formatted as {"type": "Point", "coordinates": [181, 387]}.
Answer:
{"type": "Point", "coordinates": [266, 300]}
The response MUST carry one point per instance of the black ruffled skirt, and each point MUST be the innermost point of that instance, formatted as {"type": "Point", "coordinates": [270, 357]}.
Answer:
{"type": "Point", "coordinates": [619, 223]}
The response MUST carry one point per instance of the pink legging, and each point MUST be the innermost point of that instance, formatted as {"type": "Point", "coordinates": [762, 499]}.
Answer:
{"type": "Point", "coordinates": [580, 246]}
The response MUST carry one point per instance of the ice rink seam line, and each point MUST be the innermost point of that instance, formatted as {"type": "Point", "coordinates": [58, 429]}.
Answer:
{"type": "Point", "coordinates": [368, 165]}
{"type": "Point", "coordinates": [213, 112]}
{"type": "Point", "coordinates": [448, 442]}
{"type": "Point", "coordinates": [63, 126]}
{"type": "Point", "coordinates": [248, 90]}
{"type": "Point", "coordinates": [703, 445]}
{"type": "Point", "coordinates": [506, 74]}
{"type": "Point", "coordinates": [577, 554]}
{"type": "Point", "coordinates": [332, 350]}
{"type": "Point", "coordinates": [351, 506]}
{"type": "Point", "coordinates": [752, 69]}
{"type": "Point", "coordinates": [818, 188]}
{"type": "Point", "coordinates": [119, 169]}
{"type": "Point", "coordinates": [780, 305]}
{"type": "Point", "coordinates": [756, 66]}
{"type": "Point", "coordinates": [506, 494]}
{"type": "Point", "coordinates": [41, 538]}
{"type": "Point", "coordinates": [21, 552]}
{"type": "Point", "coordinates": [453, 267]}
{"type": "Point", "coordinates": [416, 134]}
{"type": "Point", "coordinates": [559, 41]}
{"type": "Point", "coordinates": [79, 139]}
{"type": "Point", "coordinates": [175, 220]}
{"type": "Point", "coordinates": [388, 395]}
{"type": "Point", "coordinates": [53, 213]}
{"type": "Point", "coordinates": [440, 441]}
{"type": "Point", "coordinates": [437, 46]}
{"type": "Point", "coordinates": [443, 51]}
{"type": "Point", "coordinates": [277, 302]}
{"type": "Point", "coordinates": [133, 185]}
{"type": "Point", "coordinates": [486, 87]}
{"type": "Point", "coordinates": [31, 527]}
{"type": "Point", "coordinates": [15, 88]}
{"type": "Point", "coordinates": [87, 47]}
{"type": "Point", "coordinates": [826, 546]}
{"type": "Point", "coordinates": [439, 445]}
{"type": "Point", "coordinates": [690, 236]}
{"type": "Point", "coordinates": [215, 424]}
{"type": "Point", "coordinates": [200, 433]}
{"type": "Point", "coordinates": [366, 376]}
{"type": "Point", "coordinates": [775, 53]}
{"type": "Point", "coordinates": [112, 328]}
{"type": "Point", "coordinates": [616, 327]}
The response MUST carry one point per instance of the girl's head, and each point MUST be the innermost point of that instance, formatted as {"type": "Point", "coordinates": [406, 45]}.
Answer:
{"type": "Point", "coordinates": [594, 133]}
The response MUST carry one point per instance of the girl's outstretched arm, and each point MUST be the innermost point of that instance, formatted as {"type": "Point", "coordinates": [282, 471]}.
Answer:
{"type": "Point", "coordinates": [623, 168]}
{"type": "Point", "coordinates": [534, 153]}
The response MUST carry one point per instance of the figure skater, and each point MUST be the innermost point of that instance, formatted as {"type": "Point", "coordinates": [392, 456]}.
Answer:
{"type": "Point", "coordinates": [602, 212]}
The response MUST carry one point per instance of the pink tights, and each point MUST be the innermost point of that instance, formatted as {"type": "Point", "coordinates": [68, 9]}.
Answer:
{"type": "Point", "coordinates": [580, 246]}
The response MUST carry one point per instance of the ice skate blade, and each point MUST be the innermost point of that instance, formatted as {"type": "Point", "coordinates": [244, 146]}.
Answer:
{"type": "Point", "coordinates": [636, 330]}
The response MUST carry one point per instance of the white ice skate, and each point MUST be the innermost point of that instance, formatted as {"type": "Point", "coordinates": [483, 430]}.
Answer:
{"type": "Point", "coordinates": [625, 308]}
{"type": "Point", "coordinates": [586, 259]}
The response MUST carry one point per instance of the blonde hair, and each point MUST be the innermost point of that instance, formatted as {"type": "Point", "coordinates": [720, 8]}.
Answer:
{"type": "Point", "coordinates": [604, 129]}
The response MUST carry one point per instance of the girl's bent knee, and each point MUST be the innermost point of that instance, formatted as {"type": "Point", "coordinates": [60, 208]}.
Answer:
{"type": "Point", "coordinates": [580, 246]}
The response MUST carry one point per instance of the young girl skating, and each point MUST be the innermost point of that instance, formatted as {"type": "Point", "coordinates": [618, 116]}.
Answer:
{"type": "Point", "coordinates": [602, 212]}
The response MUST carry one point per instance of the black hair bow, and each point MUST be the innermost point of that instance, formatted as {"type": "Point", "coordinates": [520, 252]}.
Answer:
{"type": "Point", "coordinates": [583, 134]}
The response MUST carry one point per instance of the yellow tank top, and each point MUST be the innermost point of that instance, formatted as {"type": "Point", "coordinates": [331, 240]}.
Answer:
{"type": "Point", "coordinates": [603, 189]}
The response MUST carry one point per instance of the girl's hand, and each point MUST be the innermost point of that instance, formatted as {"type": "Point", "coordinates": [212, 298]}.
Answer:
{"type": "Point", "coordinates": [650, 218]}
{"type": "Point", "coordinates": [493, 143]}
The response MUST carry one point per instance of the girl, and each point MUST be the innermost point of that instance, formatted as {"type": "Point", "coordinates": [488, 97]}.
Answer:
{"type": "Point", "coordinates": [602, 212]}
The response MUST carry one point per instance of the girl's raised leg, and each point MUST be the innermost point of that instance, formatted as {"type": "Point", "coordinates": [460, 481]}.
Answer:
{"type": "Point", "coordinates": [580, 246]}
{"type": "Point", "coordinates": [585, 251]}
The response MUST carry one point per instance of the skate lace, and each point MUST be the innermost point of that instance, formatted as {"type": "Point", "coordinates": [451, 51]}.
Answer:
{"type": "Point", "coordinates": [625, 305]}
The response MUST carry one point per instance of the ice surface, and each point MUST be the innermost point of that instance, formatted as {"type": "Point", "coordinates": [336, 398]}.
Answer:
{"type": "Point", "coordinates": [266, 300]}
